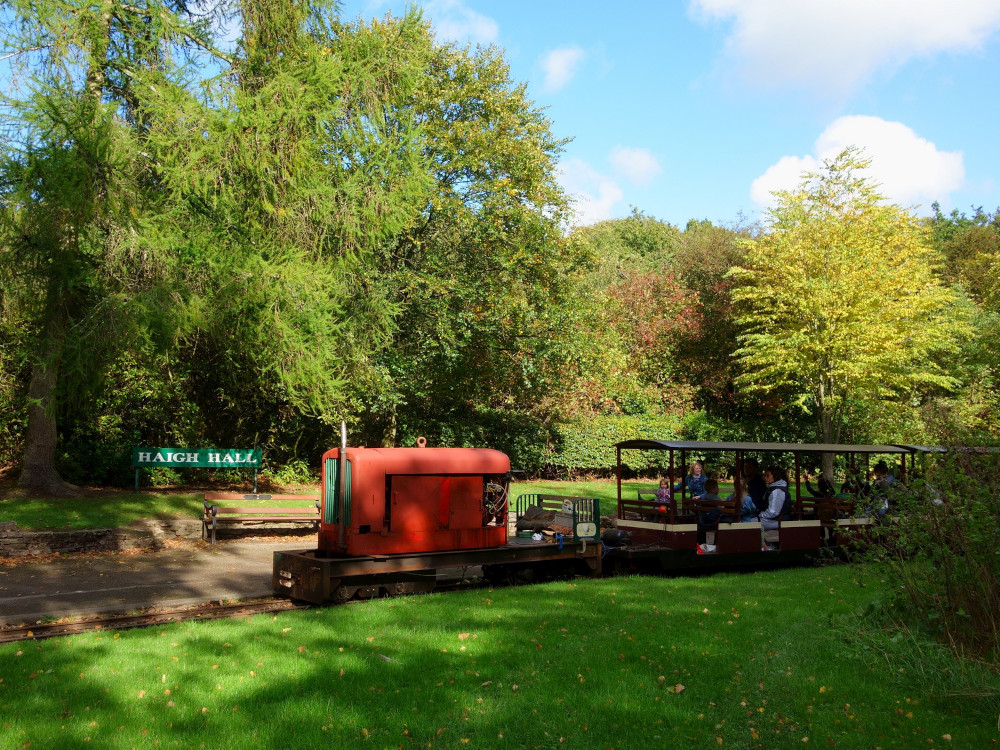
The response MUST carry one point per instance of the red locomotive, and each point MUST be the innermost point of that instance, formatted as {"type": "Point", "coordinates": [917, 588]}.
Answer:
{"type": "Point", "coordinates": [403, 500]}
{"type": "Point", "coordinates": [392, 518]}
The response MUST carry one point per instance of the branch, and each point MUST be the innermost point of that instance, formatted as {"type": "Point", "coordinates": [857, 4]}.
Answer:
{"type": "Point", "coordinates": [24, 51]}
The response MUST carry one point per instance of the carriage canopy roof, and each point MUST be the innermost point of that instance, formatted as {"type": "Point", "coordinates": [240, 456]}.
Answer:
{"type": "Point", "coordinates": [685, 445]}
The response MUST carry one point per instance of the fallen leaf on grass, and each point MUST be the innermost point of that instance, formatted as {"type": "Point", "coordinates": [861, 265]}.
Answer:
{"type": "Point", "coordinates": [678, 688]}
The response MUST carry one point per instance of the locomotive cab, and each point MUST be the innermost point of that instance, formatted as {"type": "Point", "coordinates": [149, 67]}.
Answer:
{"type": "Point", "coordinates": [405, 500]}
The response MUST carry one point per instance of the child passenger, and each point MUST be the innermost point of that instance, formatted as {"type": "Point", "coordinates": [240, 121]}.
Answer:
{"type": "Point", "coordinates": [663, 493]}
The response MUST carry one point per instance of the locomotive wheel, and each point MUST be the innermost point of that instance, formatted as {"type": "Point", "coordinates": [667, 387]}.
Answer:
{"type": "Point", "coordinates": [409, 587]}
{"type": "Point", "coordinates": [344, 593]}
{"type": "Point", "coordinates": [498, 575]}
{"type": "Point", "coordinates": [527, 574]}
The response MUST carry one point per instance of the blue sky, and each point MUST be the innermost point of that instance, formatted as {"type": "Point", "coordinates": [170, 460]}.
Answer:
{"type": "Point", "coordinates": [699, 109]}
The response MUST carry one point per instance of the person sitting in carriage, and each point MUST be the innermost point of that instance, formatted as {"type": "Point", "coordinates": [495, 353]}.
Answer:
{"type": "Point", "coordinates": [779, 501]}
{"type": "Point", "coordinates": [881, 489]}
{"type": "Point", "coordinates": [710, 519]}
{"type": "Point", "coordinates": [694, 481]}
{"type": "Point", "coordinates": [756, 486]}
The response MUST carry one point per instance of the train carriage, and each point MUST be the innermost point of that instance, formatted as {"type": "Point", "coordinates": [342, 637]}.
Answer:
{"type": "Point", "coordinates": [666, 534]}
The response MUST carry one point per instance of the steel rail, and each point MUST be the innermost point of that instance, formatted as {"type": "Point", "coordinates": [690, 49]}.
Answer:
{"type": "Point", "coordinates": [161, 617]}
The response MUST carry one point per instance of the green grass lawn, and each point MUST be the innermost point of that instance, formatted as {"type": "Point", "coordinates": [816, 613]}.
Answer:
{"type": "Point", "coordinates": [730, 660]}
{"type": "Point", "coordinates": [105, 510]}
{"type": "Point", "coordinates": [122, 508]}
{"type": "Point", "coordinates": [98, 511]}
{"type": "Point", "coordinates": [605, 490]}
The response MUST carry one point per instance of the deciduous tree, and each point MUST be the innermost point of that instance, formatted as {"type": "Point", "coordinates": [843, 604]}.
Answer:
{"type": "Point", "coordinates": [482, 278]}
{"type": "Point", "coordinates": [839, 298]}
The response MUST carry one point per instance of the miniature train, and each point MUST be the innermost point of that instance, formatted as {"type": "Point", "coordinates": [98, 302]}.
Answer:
{"type": "Point", "coordinates": [393, 518]}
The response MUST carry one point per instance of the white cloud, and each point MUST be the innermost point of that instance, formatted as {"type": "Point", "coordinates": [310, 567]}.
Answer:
{"type": "Point", "coordinates": [836, 44]}
{"type": "Point", "coordinates": [560, 65]}
{"type": "Point", "coordinates": [910, 169]}
{"type": "Point", "coordinates": [594, 195]}
{"type": "Point", "coordinates": [454, 21]}
{"type": "Point", "coordinates": [637, 164]}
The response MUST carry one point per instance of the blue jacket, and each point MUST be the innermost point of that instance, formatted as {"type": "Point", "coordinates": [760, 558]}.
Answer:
{"type": "Point", "coordinates": [695, 484]}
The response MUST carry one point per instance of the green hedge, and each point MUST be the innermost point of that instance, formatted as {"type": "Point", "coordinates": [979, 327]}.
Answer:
{"type": "Point", "coordinates": [587, 445]}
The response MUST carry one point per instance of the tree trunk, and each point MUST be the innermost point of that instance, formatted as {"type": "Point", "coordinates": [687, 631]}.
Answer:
{"type": "Point", "coordinates": [826, 435]}
{"type": "Point", "coordinates": [38, 464]}
{"type": "Point", "coordinates": [389, 433]}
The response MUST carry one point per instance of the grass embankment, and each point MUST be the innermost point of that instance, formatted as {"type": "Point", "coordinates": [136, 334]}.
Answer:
{"type": "Point", "coordinates": [729, 660]}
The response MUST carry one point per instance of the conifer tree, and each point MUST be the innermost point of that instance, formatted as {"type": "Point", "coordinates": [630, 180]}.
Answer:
{"type": "Point", "coordinates": [75, 179]}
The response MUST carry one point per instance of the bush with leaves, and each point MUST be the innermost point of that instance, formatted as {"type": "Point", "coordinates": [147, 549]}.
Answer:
{"type": "Point", "coordinates": [940, 553]}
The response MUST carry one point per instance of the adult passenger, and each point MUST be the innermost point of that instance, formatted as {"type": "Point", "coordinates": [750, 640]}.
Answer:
{"type": "Point", "coordinates": [826, 511]}
{"type": "Point", "coordinates": [756, 486]}
{"type": "Point", "coordinates": [709, 519]}
{"type": "Point", "coordinates": [779, 501]}
{"type": "Point", "coordinates": [825, 487]}
{"type": "Point", "coordinates": [694, 481]}
{"type": "Point", "coordinates": [881, 488]}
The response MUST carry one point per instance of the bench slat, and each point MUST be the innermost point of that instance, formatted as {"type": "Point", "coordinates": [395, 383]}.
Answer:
{"type": "Point", "coordinates": [215, 515]}
{"type": "Point", "coordinates": [272, 511]}
{"type": "Point", "coordinates": [237, 496]}
{"type": "Point", "coordinates": [259, 519]}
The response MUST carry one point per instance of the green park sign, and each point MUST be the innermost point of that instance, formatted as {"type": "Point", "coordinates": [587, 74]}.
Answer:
{"type": "Point", "coordinates": [207, 458]}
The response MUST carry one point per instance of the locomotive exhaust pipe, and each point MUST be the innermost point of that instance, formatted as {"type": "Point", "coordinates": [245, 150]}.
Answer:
{"type": "Point", "coordinates": [342, 485]}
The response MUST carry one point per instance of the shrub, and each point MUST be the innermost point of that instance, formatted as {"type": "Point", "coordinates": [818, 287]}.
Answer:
{"type": "Point", "coordinates": [942, 555]}
{"type": "Point", "coordinates": [587, 445]}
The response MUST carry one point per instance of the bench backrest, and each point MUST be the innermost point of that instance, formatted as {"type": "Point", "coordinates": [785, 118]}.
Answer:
{"type": "Point", "coordinates": [570, 511]}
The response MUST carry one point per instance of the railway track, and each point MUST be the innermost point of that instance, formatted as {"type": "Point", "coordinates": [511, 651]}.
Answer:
{"type": "Point", "coordinates": [88, 624]}
{"type": "Point", "coordinates": [146, 619]}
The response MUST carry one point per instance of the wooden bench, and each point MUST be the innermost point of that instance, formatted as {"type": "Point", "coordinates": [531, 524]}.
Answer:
{"type": "Point", "coordinates": [565, 509]}
{"type": "Point", "coordinates": [215, 514]}
{"type": "Point", "coordinates": [644, 508]}
{"type": "Point", "coordinates": [647, 507]}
